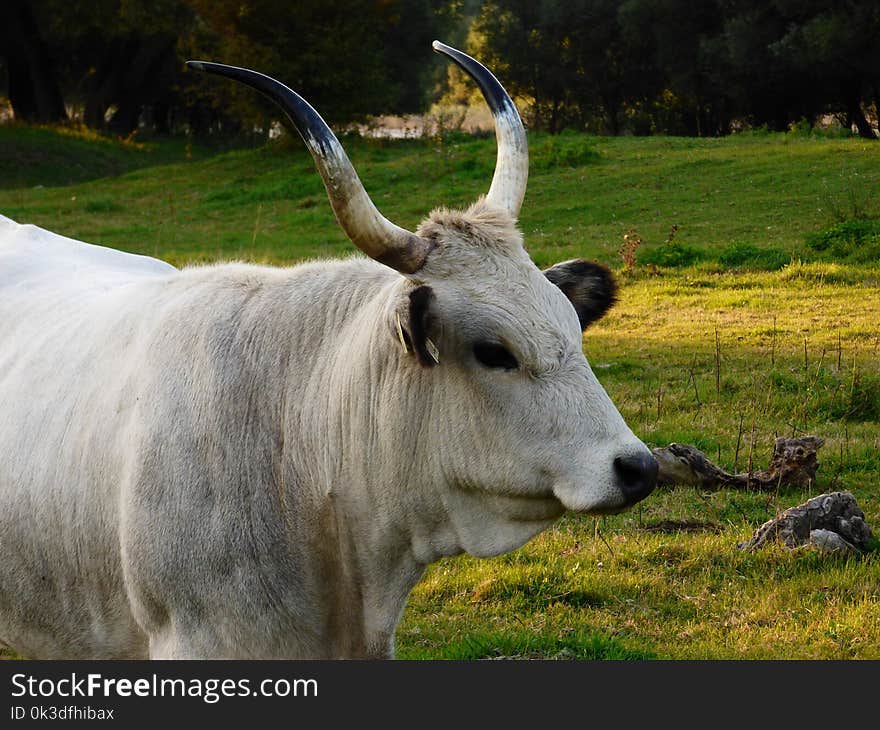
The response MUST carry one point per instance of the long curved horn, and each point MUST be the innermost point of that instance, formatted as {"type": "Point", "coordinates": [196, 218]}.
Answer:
{"type": "Point", "coordinates": [512, 168]}
{"type": "Point", "coordinates": [367, 228]}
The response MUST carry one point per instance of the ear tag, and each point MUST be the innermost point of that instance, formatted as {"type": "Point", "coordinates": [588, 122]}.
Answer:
{"type": "Point", "coordinates": [400, 334]}
{"type": "Point", "coordinates": [432, 350]}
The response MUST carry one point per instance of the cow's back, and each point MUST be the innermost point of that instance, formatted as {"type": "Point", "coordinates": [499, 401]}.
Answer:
{"type": "Point", "coordinates": [29, 254]}
{"type": "Point", "coordinates": [69, 317]}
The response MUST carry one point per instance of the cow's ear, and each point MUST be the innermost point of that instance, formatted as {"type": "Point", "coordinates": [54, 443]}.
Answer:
{"type": "Point", "coordinates": [415, 322]}
{"type": "Point", "coordinates": [589, 286]}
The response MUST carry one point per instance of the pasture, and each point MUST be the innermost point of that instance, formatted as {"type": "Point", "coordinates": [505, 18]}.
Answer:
{"type": "Point", "coordinates": [749, 308]}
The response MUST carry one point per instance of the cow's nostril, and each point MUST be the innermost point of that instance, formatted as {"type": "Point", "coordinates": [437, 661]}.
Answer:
{"type": "Point", "coordinates": [637, 475]}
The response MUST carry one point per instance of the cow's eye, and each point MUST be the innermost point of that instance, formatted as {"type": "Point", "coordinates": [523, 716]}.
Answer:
{"type": "Point", "coordinates": [493, 355]}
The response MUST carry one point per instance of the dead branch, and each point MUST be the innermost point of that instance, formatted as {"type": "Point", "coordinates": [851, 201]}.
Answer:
{"type": "Point", "coordinates": [793, 464]}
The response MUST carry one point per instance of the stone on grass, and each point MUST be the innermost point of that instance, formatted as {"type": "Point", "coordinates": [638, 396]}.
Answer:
{"type": "Point", "coordinates": [830, 542]}
{"type": "Point", "coordinates": [832, 521]}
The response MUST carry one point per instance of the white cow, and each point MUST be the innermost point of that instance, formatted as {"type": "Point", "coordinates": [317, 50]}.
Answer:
{"type": "Point", "coordinates": [245, 461]}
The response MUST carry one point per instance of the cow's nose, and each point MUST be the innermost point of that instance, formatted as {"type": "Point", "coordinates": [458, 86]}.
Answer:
{"type": "Point", "coordinates": [636, 474]}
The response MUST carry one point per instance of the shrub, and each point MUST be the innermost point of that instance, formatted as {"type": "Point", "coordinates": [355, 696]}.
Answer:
{"type": "Point", "coordinates": [749, 256]}
{"type": "Point", "coordinates": [672, 255]}
{"type": "Point", "coordinates": [856, 240]}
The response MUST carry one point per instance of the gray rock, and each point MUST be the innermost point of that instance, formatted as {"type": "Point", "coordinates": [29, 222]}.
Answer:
{"type": "Point", "coordinates": [830, 542]}
{"type": "Point", "coordinates": [835, 512]}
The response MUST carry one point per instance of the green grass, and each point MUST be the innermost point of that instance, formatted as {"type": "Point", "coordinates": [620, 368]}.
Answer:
{"type": "Point", "coordinates": [50, 157]}
{"type": "Point", "coordinates": [748, 202]}
{"type": "Point", "coordinates": [773, 248]}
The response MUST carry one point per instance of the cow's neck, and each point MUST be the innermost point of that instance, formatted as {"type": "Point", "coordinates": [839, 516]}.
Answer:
{"type": "Point", "coordinates": [366, 578]}
{"type": "Point", "coordinates": [346, 474]}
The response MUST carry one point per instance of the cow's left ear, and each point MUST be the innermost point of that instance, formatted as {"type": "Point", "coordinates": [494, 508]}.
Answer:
{"type": "Point", "coordinates": [415, 324]}
{"type": "Point", "coordinates": [589, 286]}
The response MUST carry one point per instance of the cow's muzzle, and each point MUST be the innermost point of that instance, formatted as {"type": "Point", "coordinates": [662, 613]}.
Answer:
{"type": "Point", "coordinates": [636, 475]}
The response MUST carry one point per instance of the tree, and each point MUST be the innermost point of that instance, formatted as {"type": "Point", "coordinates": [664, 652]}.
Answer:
{"type": "Point", "coordinates": [348, 58]}
{"type": "Point", "coordinates": [792, 60]}
{"type": "Point", "coordinates": [568, 58]}
{"type": "Point", "coordinates": [120, 57]}
{"type": "Point", "coordinates": [33, 88]}
{"type": "Point", "coordinates": [837, 48]}
{"type": "Point", "coordinates": [121, 61]}
{"type": "Point", "coordinates": [673, 43]}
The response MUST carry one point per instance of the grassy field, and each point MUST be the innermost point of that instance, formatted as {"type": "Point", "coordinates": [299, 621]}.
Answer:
{"type": "Point", "coordinates": [772, 242]}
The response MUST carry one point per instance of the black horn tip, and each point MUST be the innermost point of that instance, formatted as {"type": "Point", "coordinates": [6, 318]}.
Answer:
{"type": "Point", "coordinates": [496, 97]}
{"type": "Point", "coordinates": [244, 75]}
{"type": "Point", "coordinates": [222, 69]}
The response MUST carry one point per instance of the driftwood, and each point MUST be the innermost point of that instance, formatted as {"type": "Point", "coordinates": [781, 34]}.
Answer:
{"type": "Point", "coordinates": [830, 521]}
{"type": "Point", "coordinates": [793, 464]}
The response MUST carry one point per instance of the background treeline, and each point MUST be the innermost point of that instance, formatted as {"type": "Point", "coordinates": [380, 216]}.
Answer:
{"type": "Point", "coordinates": [609, 66]}
{"type": "Point", "coordinates": [118, 64]}
{"type": "Point", "coordinates": [685, 66]}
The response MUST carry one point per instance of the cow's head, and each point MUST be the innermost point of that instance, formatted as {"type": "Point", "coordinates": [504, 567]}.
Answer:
{"type": "Point", "coordinates": [501, 397]}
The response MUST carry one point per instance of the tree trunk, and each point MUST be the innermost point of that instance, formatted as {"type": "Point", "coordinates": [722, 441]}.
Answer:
{"type": "Point", "coordinates": [854, 112]}
{"type": "Point", "coordinates": [33, 89]}
{"type": "Point", "coordinates": [104, 84]}
{"type": "Point", "coordinates": [612, 118]}
{"type": "Point", "coordinates": [142, 84]}
{"type": "Point", "coordinates": [857, 116]}
{"type": "Point", "coordinates": [554, 117]}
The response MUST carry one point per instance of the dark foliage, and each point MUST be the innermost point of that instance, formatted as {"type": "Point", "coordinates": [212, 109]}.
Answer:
{"type": "Point", "coordinates": [679, 67]}
{"type": "Point", "coordinates": [119, 63]}
{"type": "Point", "coordinates": [606, 66]}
